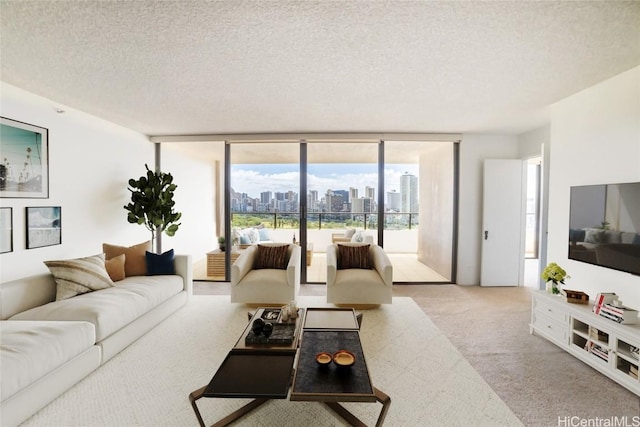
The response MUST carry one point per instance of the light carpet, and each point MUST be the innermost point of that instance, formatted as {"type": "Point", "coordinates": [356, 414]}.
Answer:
{"type": "Point", "coordinates": [409, 358]}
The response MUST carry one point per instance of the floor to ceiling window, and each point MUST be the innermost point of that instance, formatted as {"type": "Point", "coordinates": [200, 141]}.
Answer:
{"type": "Point", "coordinates": [400, 195]}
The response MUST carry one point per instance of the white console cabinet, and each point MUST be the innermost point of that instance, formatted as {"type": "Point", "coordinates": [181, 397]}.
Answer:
{"type": "Point", "coordinates": [601, 343]}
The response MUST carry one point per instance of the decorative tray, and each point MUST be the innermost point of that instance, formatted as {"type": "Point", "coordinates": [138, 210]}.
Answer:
{"type": "Point", "coordinates": [283, 333]}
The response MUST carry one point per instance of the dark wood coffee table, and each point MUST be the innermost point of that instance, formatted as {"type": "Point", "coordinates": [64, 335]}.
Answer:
{"type": "Point", "coordinates": [268, 372]}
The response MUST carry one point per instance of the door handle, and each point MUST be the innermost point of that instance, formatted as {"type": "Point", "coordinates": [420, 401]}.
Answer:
{"type": "Point", "coordinates": [486, 234]}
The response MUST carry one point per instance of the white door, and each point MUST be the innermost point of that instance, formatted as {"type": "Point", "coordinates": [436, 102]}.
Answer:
{"type": "Point", "coordinates": [502, 220]}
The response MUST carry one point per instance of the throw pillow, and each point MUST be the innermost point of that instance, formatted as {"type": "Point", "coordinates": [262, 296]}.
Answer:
{"type": "Point", "coordinates": [357, 238]}
{"type": "Point", "coordinates": [353, 256]}
{"type": "Point", "coordinates": [79, 276]}
{"type": "Point", "coordinates": [349, 233]}
{"type": "Point", "coordinates": [244, 239]}
{"type": "Point", "coordinates": [272, 256]}
{"type": "Point", "coordinates": [264, 234]}
{"type": "Point", "coordinates": [115, 267]}
{"type": "Point", "coordinates": [254, 236]}
{"type": "Point", "coordinates": [160, 264]}
{"type": "Point", "coordinates": [134, 263]}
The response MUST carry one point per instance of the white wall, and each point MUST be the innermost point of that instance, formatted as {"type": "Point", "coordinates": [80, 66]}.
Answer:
{"type": "Point", "coordinates": [435, 245]}
{"type": "Point", "coordinates": [595, 139]}
{"type": "Point", "coordinates": [473, 150]}
{"type": "Point", "coordinates": [90, 163]}
{"type": "Point", "coordinates": [195, 198]}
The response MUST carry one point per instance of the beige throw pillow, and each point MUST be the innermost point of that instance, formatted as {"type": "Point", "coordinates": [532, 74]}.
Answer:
{"type": "Point", "coordinates": [135, 263]}
{"type": "Point", "coordinates": [115, 267]}
{"type": "Point", "coordinates": [79, 276]}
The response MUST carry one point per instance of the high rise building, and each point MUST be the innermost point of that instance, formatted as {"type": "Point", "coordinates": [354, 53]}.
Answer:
{"type": "Point", "coordinates": [370, 192]}
{"type": "Point", "coordinates": [409, 193]}
{"type": "Point", "coordinates": [353, 194]}
{"type": "Point", "coordinates": [265, 197]}
{"type": "Point", "coordinates": [394, 201]}
{"type": "Point", "coordinates": [313, 204]}
{"type": "Point", "coordinates": [361, 205]}
{"type": "Point", "coordinates": [334, 201]}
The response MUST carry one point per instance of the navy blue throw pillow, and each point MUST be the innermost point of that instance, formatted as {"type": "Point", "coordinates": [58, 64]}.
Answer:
{"type": "Point", "coordinates": [160, 264]}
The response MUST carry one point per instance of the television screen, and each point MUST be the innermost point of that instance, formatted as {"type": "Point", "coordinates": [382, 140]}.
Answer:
{"type": "Point", "coordinates": [604, 225]}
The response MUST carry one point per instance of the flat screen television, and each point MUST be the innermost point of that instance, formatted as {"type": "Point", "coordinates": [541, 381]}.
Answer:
{"type": "Point", "coordinates": [604, 225]}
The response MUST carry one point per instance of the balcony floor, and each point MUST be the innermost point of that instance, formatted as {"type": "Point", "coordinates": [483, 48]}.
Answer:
{"type": "Point", "coordinates": [406, 268]}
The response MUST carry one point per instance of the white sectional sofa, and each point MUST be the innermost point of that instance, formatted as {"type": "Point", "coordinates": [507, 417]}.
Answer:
{"type": "Point", "coordinates": [47, 346]}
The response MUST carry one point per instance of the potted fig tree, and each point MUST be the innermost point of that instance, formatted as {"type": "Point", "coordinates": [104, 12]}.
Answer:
{"type": "Point", "coordinates": [152, 204]}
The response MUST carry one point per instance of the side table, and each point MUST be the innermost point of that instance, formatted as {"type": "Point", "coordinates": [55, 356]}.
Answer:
{"type": "Point", "coordinates": [215, 261]}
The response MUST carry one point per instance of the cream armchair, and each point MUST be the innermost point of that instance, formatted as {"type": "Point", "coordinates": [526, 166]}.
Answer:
{"type": "Point", "coordinates": [267, 285]}
{"type": "Point", "coordinates": [360, 286]}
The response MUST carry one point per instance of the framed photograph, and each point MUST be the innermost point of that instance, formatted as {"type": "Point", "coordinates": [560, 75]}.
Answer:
{"type": "Point", "coordinates": [24, 157]}
{"type": "Point", "coordinates": [6, 230]}
{"type": "Point", "coordinates": [44, 226]}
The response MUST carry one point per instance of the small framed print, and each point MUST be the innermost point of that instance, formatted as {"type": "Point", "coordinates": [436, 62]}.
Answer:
{"type": "Point", "coordinates": [6, 230]}
{"type": "Point", "coordinates": [44, 226]}
{"type": "Point", "coordinates": [24, 166]}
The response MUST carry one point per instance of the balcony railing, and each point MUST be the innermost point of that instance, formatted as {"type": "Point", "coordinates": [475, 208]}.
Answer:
{"type": "Point", "coordinates": [325, 220]}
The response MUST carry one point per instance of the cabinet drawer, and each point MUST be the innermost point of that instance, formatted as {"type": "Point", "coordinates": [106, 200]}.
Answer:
{"type": "Point", "coordinates": [550, 327]}
{"type": "Point", "coordinates": [550, 309]}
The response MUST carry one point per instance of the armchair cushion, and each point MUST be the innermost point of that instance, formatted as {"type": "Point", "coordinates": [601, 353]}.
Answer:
{"type": "Point", "coordinates": [353, 256]}
{"type": "Point", "coordinates": [272, 256]}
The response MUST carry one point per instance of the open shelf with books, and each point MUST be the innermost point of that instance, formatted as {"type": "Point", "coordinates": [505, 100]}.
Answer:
{"type": "Point", "coordinates": [608, 346]}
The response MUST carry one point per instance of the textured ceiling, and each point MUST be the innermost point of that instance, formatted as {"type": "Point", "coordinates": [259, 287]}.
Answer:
{"type": "Point", "coordinates": [193, 67]}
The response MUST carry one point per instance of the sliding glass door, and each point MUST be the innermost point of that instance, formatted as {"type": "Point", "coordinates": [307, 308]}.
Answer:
{"type": "Point", "coordinates": [263, 194]}
{"type": "Point", "coordinates": [400, 195]}
{"type": "Point", "coordinates": [341, 204]}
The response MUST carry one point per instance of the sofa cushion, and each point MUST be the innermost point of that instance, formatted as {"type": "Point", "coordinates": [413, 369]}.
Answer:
{"type": "Point", "coordinates": [349, 233]}
{"type": "Point", "coordinates": [265, 278]}
{"type": "Point", "coordinates": [135, 263]}
{"type": "Point", "coordinates": [115, 267]}
{"type": "Point", "coordinates": [30, 350]}
{"type": "Point", "coordinates": [160, 264]}
{"type": "Point", "coordinates": [113, 308]}
{"type": "Point", "coordinates": [79, 276]}
{"type": "Point", "coordinates": [353, 256]}
{"type": "Point", "coordinates": [272, 256]}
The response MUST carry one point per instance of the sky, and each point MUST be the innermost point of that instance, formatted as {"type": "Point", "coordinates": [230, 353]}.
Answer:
{"type": "Point", "coordinates": [256, 178]}
{"type": "Point", "coordinates": [14, 143]}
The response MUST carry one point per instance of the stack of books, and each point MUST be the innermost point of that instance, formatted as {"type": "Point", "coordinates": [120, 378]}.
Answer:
{"type": "Point", "coordinates": [623, 315]}
{"type": "Point", "coordinates": [596, 350]}
{"type": "Point", "coordinates": [603, 298]}
{"type": "Point", "coordinates": [608, 306]}
{"type": "Point", "coordinates": [635, 352]}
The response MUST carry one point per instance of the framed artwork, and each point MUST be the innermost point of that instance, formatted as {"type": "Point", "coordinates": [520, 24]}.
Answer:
{"type": "Point", "coordinates": [6, 230]}
{"type": "Point", "coordinates": [24, 157]}
{"type": "Point", "coordinates": [44, 226]}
